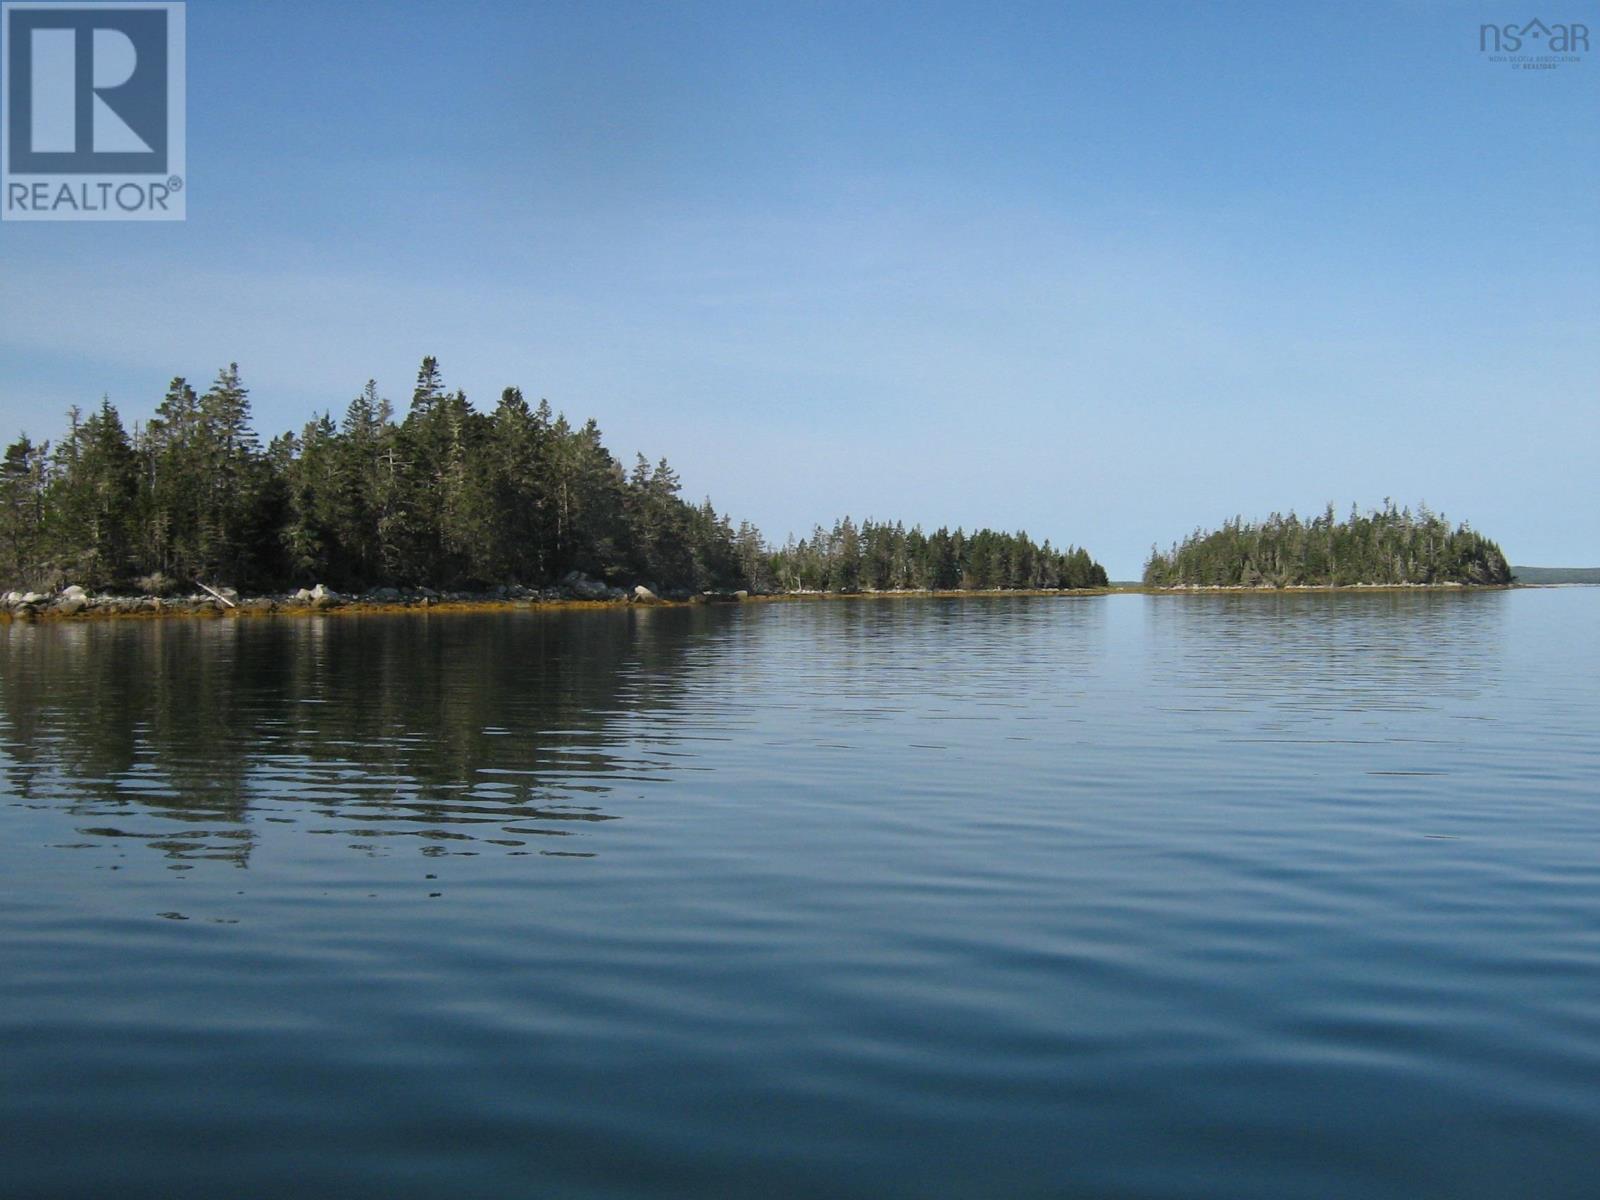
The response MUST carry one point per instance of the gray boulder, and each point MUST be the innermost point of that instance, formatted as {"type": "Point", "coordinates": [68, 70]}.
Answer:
{"type": "Point", "coordinates": [585, 588]}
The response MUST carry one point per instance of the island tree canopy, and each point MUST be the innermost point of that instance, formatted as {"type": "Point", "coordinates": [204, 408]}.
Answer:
{"type": "Point", "coordinates": [1388, 545]}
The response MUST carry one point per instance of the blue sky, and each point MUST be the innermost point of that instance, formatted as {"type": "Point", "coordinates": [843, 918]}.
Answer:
{"type": "Point", "coordinates": [1101, 271]}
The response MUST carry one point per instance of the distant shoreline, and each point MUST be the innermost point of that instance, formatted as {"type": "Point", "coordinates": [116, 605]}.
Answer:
{"type": "Point", "coordinates": [145, 608]}
{"type": "Point", "coordinates": [1267, 589]}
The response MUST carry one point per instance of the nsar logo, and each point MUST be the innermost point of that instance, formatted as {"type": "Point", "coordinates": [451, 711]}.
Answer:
{"type": "Point", "coordinates": [94, 112]}
{"type": "Point", "coordinates": [1534, 45]}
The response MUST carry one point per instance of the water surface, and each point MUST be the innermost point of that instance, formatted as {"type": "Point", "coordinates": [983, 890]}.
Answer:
{"type": "Point", "coordinates": [1214, 896]}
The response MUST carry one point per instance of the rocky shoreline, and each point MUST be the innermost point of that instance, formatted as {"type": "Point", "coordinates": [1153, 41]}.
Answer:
{"type": "Point", "coordinates": [76, 603]}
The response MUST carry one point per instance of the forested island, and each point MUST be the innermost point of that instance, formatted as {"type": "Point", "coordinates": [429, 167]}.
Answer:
{"type": "Point", "coordinates": [1386, 546]}
{"type": "Point", "coordinates": [446, 497]}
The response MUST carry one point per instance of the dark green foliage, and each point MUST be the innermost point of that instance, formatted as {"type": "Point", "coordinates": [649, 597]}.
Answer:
{"type": "Point", "coordinates": [22, 507]}
{"type": "Point", "coordinates": [883, 557]}
{"type": "Point", "coordinates": [446, 497]}
{"type": "Point", "coordinates": [91, 508]}
{"type": "Point", "coordinates": [1384, 546]}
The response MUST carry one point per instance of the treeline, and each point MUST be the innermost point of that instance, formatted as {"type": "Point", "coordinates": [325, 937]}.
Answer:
{"type": "Point", "coordinates": [883, 557]}
{"type": "Point", "coordinates": [448, 496]}
{"type": "Point", "coordinates": [445, 497]}
{"type": "Point", "coordinates": [1385, 546]}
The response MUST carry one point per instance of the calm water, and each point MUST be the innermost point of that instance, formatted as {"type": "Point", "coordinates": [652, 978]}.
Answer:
{"type": "Point", "coordinates": [1279, 896]}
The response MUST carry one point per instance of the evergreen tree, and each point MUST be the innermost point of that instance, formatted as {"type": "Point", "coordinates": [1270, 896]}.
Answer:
{"type": "Point", "coordinates": [23, 478]}
{"type": "Point", "coordinates": [91, 498]}
{"type": "Point", "coordinates": [230, 532]}
{"type": "Point", "coordinates": [171, 480]}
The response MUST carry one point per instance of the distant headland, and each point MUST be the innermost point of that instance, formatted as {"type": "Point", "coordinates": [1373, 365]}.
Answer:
{"type": "Point", "coordinates": [1546, 576]}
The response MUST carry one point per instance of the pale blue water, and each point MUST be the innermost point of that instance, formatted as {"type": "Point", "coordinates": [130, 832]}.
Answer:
{"type": "Point", "coordinates": [1250, 896]}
